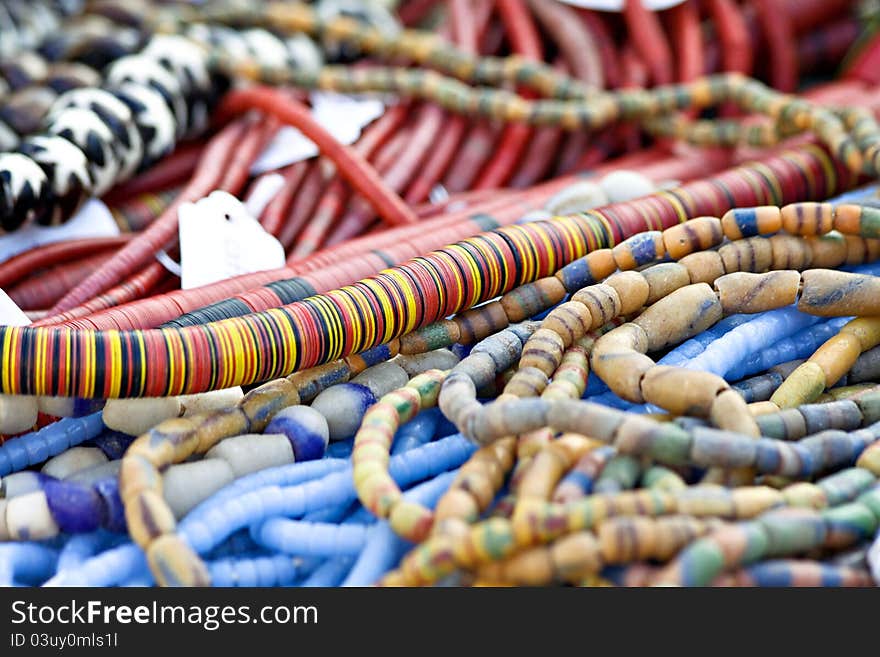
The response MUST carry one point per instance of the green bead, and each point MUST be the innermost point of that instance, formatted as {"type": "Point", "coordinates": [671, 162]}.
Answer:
{"type": "Point", "coordinates": [671, 444]}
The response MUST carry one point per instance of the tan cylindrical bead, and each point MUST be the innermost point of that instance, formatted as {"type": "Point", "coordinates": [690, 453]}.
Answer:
{"type": "Point", "coordinates": [807, 219]}
{"type": "Point", "coordinates": [601, 300]}
{"type": "Point", "coordinates": [622, 371]}
{"type": "Point", "coordinates": [866, 329]}
{"type": "Point", "coordinates": [632, 289]}
{"type": "Point", "coordinates": [481, 322]}
{"type": "Point", "coordinates": [663, 279]}
{"type": "Point", "coordinates": [742, 292]}
{"type": "Point", "coordinates": [790, 252]}
{"type": "Point", "coordinates": [570, 320]}
{"type": "Point", "coordinates": [703, 267]}
{"type": "Point", "coordinates": [148, 517]}
{"type": "Point", "coordinates": [527, 382]}
{"type": "Point", "coordinates": [762, 408]}
{"type": "Point", "coordinates": [531, 567]}
{"type": "Point", "coordinates": [837, 356]}
{"type": "Point", "coordinates": [827, 251]}
{"type": "Point", "coordinates": [753, 254]}
{"type": "Point", "coordinates": [679, 316]}
{"type": "Point", "coordinates": [532, 298]}
{"type": "Point", "coordinates": [803, 386]}
{"type": "Point", "coordinates": [575, 556]}
{"type": "Point", "coordinates": [697, 234]}
{"type": "Point", "coordinates": [543, 350]}
{"type": "Point", "coordinates": [731, 412]}
{"type": "Point", "coordinates": [860, 250]}
{"type": "Point", "coordinates": [681, 391]}
{"type": "Point", "coordinates": [830, 293]}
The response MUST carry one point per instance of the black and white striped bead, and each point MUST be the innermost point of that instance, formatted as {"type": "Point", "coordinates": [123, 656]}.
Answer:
{"type": "Point", "coordinates": [67, 170]}
{"type": "Point", "coordinates": [24, 191]}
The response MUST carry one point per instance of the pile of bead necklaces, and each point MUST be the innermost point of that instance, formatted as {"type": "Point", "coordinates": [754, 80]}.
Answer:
{"type": "Point", "coordinates": [593, 299]}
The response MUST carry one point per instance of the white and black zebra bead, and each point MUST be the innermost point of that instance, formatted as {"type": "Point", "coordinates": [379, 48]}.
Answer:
{"type": "Point", "coordinates": [25, 195]}
{"type": "Point", "coordinates": [85, 129]}
{"type": "Point", "coordinates": [303, 53]}
{"type": "Point", "coordinates": [186, 61]}
{"type": "Point", "coordinates": [67, 169]}
{"type": "Point", "coordinates": [118, 117]}
{"type": "Point", "coordinates": [146, 71]}
{"type": "Point", "coordinates": [153, 118]}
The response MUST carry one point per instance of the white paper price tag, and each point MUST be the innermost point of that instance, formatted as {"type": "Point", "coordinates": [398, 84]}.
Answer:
{"type": "Point", "coordinates": [220, 239]}
{"type": "Point", "coordinates": [92, 220]}
{"type": "Point", "coordinates": [344, 117]}
{"type": "Point", "coordinates": [10, 313]}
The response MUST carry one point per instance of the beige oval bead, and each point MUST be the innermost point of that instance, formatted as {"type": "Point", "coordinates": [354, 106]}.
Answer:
{"type": "Point", "coordinates": [807, 218]}
{"type": "Point", "coordinates": [790, 252]}
{"type": "Point", "coordinates": [743, 292]}
{"type": "Point", "coordinates": [697, 234]}
{"type": "Point", "coordinates": [18, 413]}
{"type": "Point", "coordinates": [836, 356]}
{"type": "Point", "coordinates": [28, 517]}
{"type": "Point", "coordinates": [731, 412]}
{"type": "Point", "coordinates": [575, 556]}
{"type": "Point", "coordinates": [56, 406]}
{"type": "Point", "coordinates": [753, 254]}
{"type": "Point", "coordinates": [830, 293]}
{"type": "Point", "coordinates": [72, 461]}
{"type": "Point", "coordinates": [214, 400]}
{"type": "Point", "coordinates": [762, 408]}
{"type": "Point", "coordinates": [543, 351]}
{"type": "Point", "coordinates": [137, 416]}
{"type": "Point", "coordinates": [801, 387]}
{"type": "Point", "coordinates": [527, 382]}
{"type": "Point", "coordinates": [703, 267]}
{"type": "Point", "coordinates": [664, 279]}
{"type": "Point", "coordinates": [601, 300]}
{"type": "Point", "coordinates": [679, 316]}
{"type": "Point", "coordinates": [185, 485]}
{"type": "Point", "coordinates": [620, 362]}
{"type": "Point", "coordinates": [570, 320]}
{"type": "Point", "coordinates": [681, 391]}
{"type": "Point", "coordinates": [632, 289]}
{"type": "Point", "coordinates": [827, 251]}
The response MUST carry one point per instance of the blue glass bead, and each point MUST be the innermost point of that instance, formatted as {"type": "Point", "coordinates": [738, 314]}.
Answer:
{"type": "Point", "coordinates": [75, 508]}
{"type": "Point", "coordinates": [114, 511]}
{"type": "Point", "coordinates": [83, 546]}
{"type": "Point", "coordinates": [384, 548]}
{"type": "Point", "coordinates": [106, 569]}
{"type": "Point", "coordinates": [83, 407]}
{"type": "Point", "coordinates": [113, 443]}
{"type": "Point", "coordinates": [576, 275]}
{"type": "Point", "coordinates": [767, 459]}
{"type": "Point", "coordinates": [29, 563]}
{"type": "Point", "coordinates": [330, 573]}
{"type": "Point", "coordinates": [417, 431]}
{"type": "Point", "coordinates": [343, 406]}
{"type": "Point", "coordinates": [305, 428]}
{"type": "Point", "coordinates": [37, 446]}
{"type": "Point", "coordinates": [341, 449]}
{"type": "Point", "coordinates": [770, 573]}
